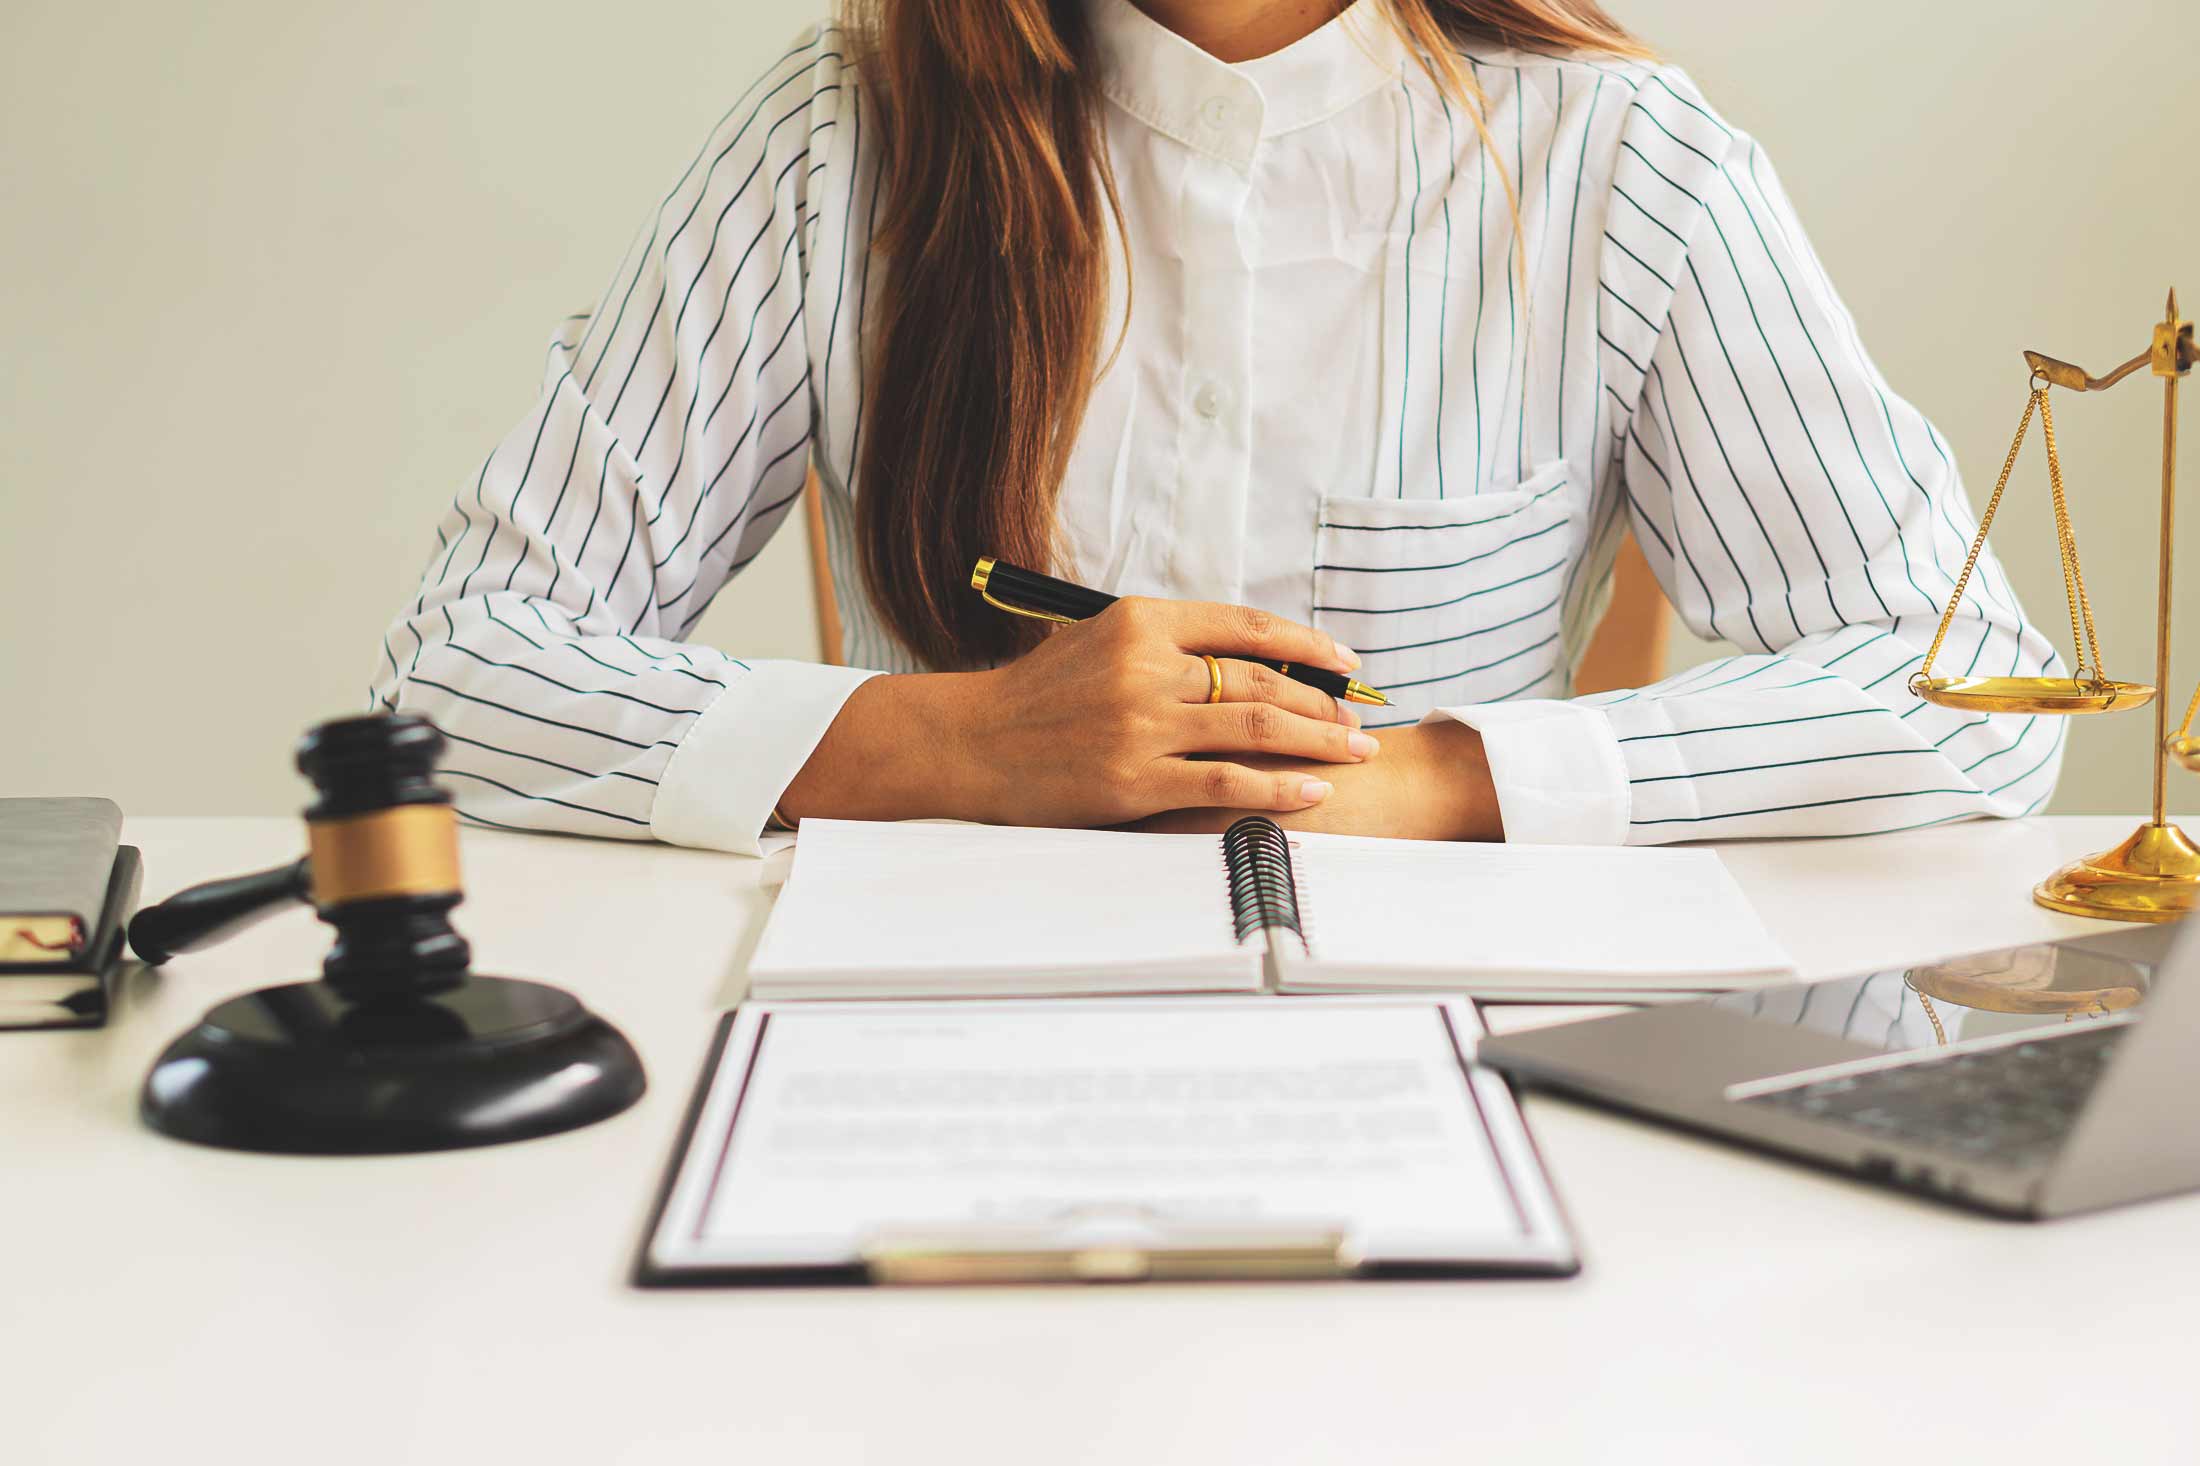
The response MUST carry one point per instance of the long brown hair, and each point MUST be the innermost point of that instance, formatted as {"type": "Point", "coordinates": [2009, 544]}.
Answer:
{"type": "Point", "coordinates": [993, 246]}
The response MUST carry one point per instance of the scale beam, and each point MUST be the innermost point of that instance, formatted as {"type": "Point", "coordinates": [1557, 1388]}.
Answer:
{"type": "Point", "coordinates": [2073, 378]}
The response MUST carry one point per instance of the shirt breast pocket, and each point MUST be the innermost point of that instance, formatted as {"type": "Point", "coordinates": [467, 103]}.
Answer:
{"type": "Point", "coordinates": [1450, 601]}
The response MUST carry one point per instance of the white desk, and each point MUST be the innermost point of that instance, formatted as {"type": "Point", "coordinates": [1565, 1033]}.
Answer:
{"type": "Point", "coordinates": [164, 1302]}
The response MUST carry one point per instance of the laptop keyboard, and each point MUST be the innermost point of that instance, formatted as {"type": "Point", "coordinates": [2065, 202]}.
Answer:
{"type": "Point", "coordinates": [2008, 1106]}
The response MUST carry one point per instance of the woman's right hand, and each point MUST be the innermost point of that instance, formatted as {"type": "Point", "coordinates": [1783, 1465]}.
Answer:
{"type": "Point", "coordinates": [1104, 722]}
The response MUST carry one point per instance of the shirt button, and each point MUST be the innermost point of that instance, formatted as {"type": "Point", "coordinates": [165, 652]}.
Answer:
{"type": "Point", "coordinates": [1216, 112]}
{"type": "Point", "coordinates": [1207, 402]}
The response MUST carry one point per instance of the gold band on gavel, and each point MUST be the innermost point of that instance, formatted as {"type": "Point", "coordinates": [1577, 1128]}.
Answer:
{"type": "Point", "coordinates": [411, 850]}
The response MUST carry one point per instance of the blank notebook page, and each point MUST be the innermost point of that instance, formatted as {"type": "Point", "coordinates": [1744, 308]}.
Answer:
{"type": "Point", "coordinates": [1634, 916]}
{"type": "Point", "coordinates": [969, 908]}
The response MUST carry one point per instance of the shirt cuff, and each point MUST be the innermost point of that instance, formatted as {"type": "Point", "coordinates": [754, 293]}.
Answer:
{"type": "Point", "coordinates": [1557, 768]}
{"type": "Point", "coordinates": [744, 750]}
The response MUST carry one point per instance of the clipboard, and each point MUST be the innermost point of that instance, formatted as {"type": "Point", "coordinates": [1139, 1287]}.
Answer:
{"type": "Point", "coordinates": [1342, 1200]}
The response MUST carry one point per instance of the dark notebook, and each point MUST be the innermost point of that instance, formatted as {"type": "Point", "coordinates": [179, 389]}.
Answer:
{"type": "Point", "coordinates": [67, 890]}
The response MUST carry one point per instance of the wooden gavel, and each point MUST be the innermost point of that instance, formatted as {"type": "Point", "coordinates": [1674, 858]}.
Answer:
{"type": "Point", "coordinates": [399, 1045]}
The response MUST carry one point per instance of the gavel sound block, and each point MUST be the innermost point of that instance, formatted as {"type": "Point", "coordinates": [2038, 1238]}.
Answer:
{"type": "Point", "coordinates": [398, 1046]}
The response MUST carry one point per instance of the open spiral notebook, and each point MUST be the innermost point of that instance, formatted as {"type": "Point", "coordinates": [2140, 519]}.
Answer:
{"type": "Point", "coordinates": [947, 910]}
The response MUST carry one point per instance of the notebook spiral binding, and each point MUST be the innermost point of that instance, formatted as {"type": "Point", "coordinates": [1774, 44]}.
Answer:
{"type": "Point", "coordinates": [1264, 895]}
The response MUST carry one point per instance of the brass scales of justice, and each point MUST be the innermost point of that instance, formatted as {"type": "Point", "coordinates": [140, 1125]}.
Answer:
{"type": "Point", "coordinates": [2154, 875]}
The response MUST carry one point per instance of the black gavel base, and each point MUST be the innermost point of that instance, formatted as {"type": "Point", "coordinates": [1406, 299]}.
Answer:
{"type": "Point", "coordinates": [304, 1070]}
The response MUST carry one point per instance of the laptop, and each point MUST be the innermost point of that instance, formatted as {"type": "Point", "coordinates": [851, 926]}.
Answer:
{"type": "Point", "coordinates": [2029, 1115]}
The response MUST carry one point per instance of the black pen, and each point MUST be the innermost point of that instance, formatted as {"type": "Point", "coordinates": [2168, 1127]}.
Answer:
{"type": "Point", "coordinates": [1043, 598]}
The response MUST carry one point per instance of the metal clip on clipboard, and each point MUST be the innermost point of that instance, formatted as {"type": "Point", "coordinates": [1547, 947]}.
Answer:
{"type": "Point", "coordinates": [1109, 1248]}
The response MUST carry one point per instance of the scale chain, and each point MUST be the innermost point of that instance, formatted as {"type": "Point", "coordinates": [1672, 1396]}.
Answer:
{"type": "Point", "coordinates": [2087, 649]}
{"type": "Point", "coordinates": [2084, 640]}
{"type": "Point", "coordinates": [1978, 544]}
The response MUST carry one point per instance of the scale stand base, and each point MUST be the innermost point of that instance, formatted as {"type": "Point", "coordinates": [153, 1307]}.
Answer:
{"type": "Point", "coordinates": [2153, 876]}
{"type": "Point", "coordinates": [303, 1070]}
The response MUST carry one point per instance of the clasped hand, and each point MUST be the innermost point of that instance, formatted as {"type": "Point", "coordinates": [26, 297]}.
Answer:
{"type": "Point", "coordinates": [1108, 722]}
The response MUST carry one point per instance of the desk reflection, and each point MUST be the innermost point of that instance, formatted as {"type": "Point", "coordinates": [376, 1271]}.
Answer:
{"type": "Point", "coordinates": [2042, 985]}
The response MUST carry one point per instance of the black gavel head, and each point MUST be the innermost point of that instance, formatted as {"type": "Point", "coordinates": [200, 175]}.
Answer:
{"type": "Point", "coordinates": [383, 843]}
{"type": "Point", "coordinates": [379, 761]}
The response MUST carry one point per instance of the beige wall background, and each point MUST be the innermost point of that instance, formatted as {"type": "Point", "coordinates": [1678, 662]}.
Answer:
{"type": "Point", "coordinates": [277, 275]}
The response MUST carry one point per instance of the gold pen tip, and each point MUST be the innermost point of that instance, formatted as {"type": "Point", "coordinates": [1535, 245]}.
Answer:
{"type": "Point", "coordinates": [1361, 692]}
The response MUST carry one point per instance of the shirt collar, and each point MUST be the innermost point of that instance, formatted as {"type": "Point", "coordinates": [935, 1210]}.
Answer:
{"type": "Point", "coordinates": [1226, 110]}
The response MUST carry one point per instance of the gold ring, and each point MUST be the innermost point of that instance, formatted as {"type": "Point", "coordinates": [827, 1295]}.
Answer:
{"type": "Point", "coordinates": [1214, 678]}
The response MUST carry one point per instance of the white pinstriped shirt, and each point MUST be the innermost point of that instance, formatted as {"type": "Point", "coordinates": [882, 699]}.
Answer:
{"type": "Point", "coordinates": [1349, 392]}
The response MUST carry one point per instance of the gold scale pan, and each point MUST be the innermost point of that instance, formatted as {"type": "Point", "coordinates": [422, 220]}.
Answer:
{"type": "Point", "coordinates": [2155, 874]}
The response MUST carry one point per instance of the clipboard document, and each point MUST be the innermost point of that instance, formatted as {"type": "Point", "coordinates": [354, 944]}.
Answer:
{"type": "Point", "coordinates": [943, 910]}
{"type": "Point", "coordinates": [1111, 1139]}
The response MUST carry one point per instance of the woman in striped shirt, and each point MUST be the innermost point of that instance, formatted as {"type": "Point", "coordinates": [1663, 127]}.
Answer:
{"type": "Point", "coordinates": [1386, 323]}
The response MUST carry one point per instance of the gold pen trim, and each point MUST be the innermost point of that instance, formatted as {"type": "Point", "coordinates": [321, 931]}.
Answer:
{"type": "Point", "coordinates": [1000, 605]}
{"type": "Point", "coordinates": [1353, 691]}
{"type": "Point", "coordinates": [981, 575]}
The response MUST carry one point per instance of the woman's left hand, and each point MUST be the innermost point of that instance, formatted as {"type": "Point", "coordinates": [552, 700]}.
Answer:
{"type": "Point", "coordinates": [1431, 783]}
